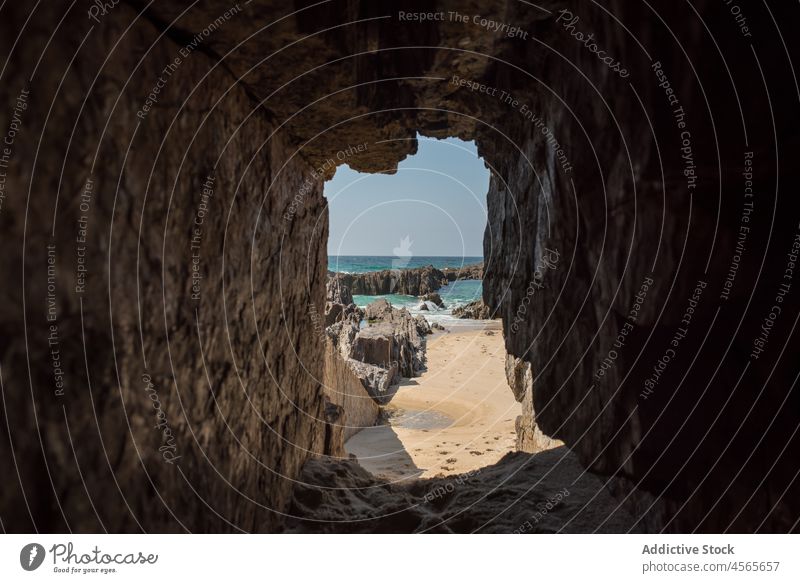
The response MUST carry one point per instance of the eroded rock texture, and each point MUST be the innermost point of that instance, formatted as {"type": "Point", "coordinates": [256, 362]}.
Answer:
{"type": "Point", "coordinates": [467, 272]}
{"type": "Point", "coordinates": [225, 377]}
{"type": "Point", "coordinates": [640, 197]}
{"type": "Point", "coordinates": [411, 282]}
{"type": "Point", "coordinates": [529, 436]}
{"type": "Point", "coordinates": [476, 310]}
{"type": "Point", "coordinates": [353, 406]}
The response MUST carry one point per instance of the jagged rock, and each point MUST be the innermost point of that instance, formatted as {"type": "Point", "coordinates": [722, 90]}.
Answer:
{"type": "Point", "coordinates": [474, 271]}
{"type": "Point", "coordinates": [391, 347]}
{"type": "Point", "coordinates": [337, 292]}
{"type": "Point", "coordinates": [422, 325]}
{"type": "Point", "coordinates": [333, 313]}
{"type": "Point", "coordinates": [378, 310]}
{"type": "Point", "coordinates": [394, 340]}
{"type": "Point", "coordinates": [376, 344]}
{"type": "Point", "coordinates": [365, 358]}
{"type": "Point", "coordinates": [476, 310]}
{"type": "Point", "coordinates": [380, 382]}
{"type": "Point", "coordinates": [413, 282]}
{"type": "Point", "coordinates": [435, 298]}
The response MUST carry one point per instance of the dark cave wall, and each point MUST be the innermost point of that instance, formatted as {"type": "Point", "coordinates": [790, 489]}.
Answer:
{"type": "Point", "coordinates": [231, 437]}
{"type": "Point", "coordinates": [711, 432]}
{"type": "Point", "coordinates": [620, 213]}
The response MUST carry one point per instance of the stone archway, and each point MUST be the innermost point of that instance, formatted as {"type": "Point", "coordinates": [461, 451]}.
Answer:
{"type": "Point", "coordinates": [603, 168]}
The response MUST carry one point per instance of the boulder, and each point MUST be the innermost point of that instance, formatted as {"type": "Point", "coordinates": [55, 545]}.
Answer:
{"type": "Point", "coordinates": [378, 310]}
{"type": "Point", "coordinates": [433, 297]}
{"type": "Point", "coordinates": [422, 325]}
{"type": "Point", "coordinates": [390, 347]}
{"type": "Point", "coordinates": [379, 382]}
{"type": "Point", "coordinates": [474, 271]}
{"type": "Point", "coordinates": [476, 310]}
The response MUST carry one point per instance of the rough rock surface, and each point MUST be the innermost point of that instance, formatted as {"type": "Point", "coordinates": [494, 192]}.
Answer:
{"type": "Point", "coordinates": [542, 493]}
{"type": "Point", "coordinates": [411, 282]}
{"type": "Point", "coordinates": [423, 327]}
{"type": "Point", "coordinates": [435, 298]}
{"type": "Point", "coordinates": [392, 337]}
{"type": "Point", "coordinates": [476, 310]}
{"type": "Point", "coordinates": [474, 271]}
{"type": "Point", "coordinates": [336, 292]}
{"type": "Point", "coordinates": [391, 346]}
{"type": "Point", "coordinates": [529, 437]}
{"type": "Point", "coordinates": [345, 390]}
{"type": "Point", "coordinates": [379, 310]}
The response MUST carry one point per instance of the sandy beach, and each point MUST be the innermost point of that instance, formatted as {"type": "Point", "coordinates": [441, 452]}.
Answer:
{"type": "Point", "coordinates": [456, 417]}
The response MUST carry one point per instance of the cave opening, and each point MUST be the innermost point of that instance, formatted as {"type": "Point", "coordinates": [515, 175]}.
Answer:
{"type": "Point", "coordinates": [405, 313]}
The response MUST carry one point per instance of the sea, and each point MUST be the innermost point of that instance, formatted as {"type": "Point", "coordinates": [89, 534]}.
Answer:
{"type": "Point", "coordinates": [455, 294]}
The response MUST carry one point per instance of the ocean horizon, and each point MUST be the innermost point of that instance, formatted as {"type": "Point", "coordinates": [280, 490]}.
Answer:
{"type": "Point", "coordinates": [368, 263]}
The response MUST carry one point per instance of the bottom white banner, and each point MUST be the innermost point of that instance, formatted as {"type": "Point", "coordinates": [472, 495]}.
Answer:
{"type": "Point", "coordinates": [354, 558]}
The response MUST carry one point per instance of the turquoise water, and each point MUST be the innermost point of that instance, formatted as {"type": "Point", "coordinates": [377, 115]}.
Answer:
{"type": "Point", "coordinates": [365, 263]}
{"type": "Point", "coordinates": [455, 294]}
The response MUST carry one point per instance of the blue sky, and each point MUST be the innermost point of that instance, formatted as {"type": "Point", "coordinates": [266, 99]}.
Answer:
{"type": "Point", "coordinates": [437, 199]}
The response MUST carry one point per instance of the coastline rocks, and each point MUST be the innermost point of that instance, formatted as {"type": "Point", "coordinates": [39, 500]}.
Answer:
{"type": "Point", "coordinates": [380, 383]}
{"type": "Point", "coordinates": [390, 347]}
{"type": "Point", "coordinates": [434, 298]}
{"type": "Point", "coordinates": [336, 292]}
{"type": "Point", "coordinates": [476, 310]}
{"type": "Point", "coordinates": [378, 310]}
{"type": "Point", "coordinates": [339, 303]}
{"type": "Point", "coordinates": [423, 327]}
{"type": "Point", "coordinates": [411, 282]}
{"type": "Point", "coordinates": [474, 271]}
{"type": "Point", "coordinates": [349, 407]}
{"type": "Point", "coordinates": [393, 337]}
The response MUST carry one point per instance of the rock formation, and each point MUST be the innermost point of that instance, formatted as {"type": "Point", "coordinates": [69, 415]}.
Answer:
{"type": "Point", "coordinates": [391, 346]}
{"type": "Point", "coordinates": [473, 271]}
{"type": "Point", "coordinates": [410, 282]}
{"type": "Point", "coordinates": [476, 310]}
{"type": "Point", "coordinates": [336, 292]}
{"type": "Point", "coordinates": [393, 336]}
{"type": "Point", "coordinates": [529, 437]}
{"type": "Point", "coordinates": [350, 406]}
{"type": "Point", "coordinates": [435, 298]}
